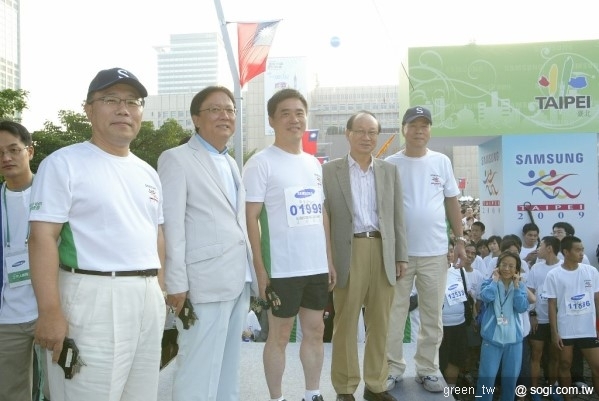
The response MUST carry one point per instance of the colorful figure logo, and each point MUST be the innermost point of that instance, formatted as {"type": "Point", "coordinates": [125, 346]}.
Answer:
{"type": "Point", "coordinates": [488, 181]}
{"type": "Point", "coordinates": [557, 83]}
{"type": "Point", "coordinates": [550, 184]}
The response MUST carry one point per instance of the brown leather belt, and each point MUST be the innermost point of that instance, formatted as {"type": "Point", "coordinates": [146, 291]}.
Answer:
{"type": "Point", "coordinates": [127, 273]}
{"type": "Point", "coordinates": [368, 234]}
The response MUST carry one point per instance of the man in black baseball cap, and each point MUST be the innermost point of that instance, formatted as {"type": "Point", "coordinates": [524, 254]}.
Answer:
{"type": "Point", "coordinates": [106, 78]}
{"type": "Point", "coordinates": [98, 220]}
{"type": "Point", "coordinates": [429, 189]}
{"type": "Point", "coordinates": [415, 112]}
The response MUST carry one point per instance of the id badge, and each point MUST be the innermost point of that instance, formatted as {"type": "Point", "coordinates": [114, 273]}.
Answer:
{"type": "Point", "coordinates": [17, 268]}
{"type": "Point", "coordinates": [502, 321]}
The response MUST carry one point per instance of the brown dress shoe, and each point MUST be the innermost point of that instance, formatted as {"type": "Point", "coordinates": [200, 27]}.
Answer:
{"type": "Point", "coordinates": [384, 396]}
{"type": "Point", "coordinates": [345, 397]}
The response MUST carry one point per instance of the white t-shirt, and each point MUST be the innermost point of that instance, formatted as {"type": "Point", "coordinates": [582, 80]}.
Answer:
{"type": "Point", "coordinates": [111, 207]}
{"type": "Point", "coordinates": [290, 187]}
{"type": "Point", "coordinates": [525, 251]}
{"type": "Point", "coordinates": [490, 264]}
{"type": "Point", "coordinates": [479, 264]}
{"type": "Point", "coordinates": [426, 181]}
{"type": "Point", "coordinates": [536, 281]}
{"type": "Point", "coordinates": [575, 293]}
{"type": "Point", "coordinates": [474, 279]}
{"type": "Point", "coordinates": [18, 299]}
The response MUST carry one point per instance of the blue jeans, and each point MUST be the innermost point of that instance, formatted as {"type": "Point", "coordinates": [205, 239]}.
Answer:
{"type": "Point", "coordinates": [491, 357]}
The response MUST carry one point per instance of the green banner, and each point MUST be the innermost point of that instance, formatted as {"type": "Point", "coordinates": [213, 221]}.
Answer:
{"type": "Point", "coordinates": [492, 90]}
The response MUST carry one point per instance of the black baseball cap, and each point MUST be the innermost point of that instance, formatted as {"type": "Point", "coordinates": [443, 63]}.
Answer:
{"type": "Point", "coordinates": [415, 112]}
{"type": "Point", "coordinates": [106, 78]}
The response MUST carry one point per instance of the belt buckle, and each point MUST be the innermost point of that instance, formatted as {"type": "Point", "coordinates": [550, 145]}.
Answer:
{"type": "Point", "coordinates": [369, 234]}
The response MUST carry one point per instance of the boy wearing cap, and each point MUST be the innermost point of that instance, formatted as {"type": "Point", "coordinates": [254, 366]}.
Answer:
{"type": "Point", "coordinates": [430, 196]}
{"type": "Point", "coordinates": [95, 249]}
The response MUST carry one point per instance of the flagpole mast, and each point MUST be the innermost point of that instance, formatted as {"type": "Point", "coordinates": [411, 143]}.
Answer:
{"type": "Point", "coordinates": [238, 138]}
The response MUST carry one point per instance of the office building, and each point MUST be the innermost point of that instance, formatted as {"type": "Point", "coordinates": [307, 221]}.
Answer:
{"type": "Point", "coordinates": [10, 46]}
{"type": "Point", "coordinates": [190, 63]}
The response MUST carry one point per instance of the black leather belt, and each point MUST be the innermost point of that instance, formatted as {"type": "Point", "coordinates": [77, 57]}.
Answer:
{"type": "Point", "coordinates": [368, 234]}
{"type": "Point", "coordinates": [127, 273]}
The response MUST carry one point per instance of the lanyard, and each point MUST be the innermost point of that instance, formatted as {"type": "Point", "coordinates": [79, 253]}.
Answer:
{"type": "Point", "coordinates": [6, 217]}
{"type": "Point", "coordinates": [507, 295]}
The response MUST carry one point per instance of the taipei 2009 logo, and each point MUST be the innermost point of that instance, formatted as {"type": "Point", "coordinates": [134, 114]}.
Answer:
{"type": "Point", "coordinates": [562, 85]}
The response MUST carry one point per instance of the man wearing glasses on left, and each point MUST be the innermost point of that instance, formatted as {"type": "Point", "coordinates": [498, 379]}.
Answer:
{"type": "Point", "coordinates": [18, 309]}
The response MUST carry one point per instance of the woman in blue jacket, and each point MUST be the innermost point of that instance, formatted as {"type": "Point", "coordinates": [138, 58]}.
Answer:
{"type": "Point", "coordinates": [501, 329]}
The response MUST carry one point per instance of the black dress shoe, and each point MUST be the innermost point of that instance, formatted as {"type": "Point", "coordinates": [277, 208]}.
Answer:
{"type": "Point", "coordinates": [345, 397]}
{"type": "Point", "coordinates": [384, 396]}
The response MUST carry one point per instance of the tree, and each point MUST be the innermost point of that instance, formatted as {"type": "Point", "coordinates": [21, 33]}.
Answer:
{"type": "Point", "coordinates": [150, 143]}
{"type": "Point", "coordinates": [12, 103]}
{"type": "Point", "coordinates": [74, 128]}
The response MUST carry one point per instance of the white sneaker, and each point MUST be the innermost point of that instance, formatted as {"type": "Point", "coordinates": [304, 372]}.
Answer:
{"type": "Point", "coordinates": [392, 381]}
{"type": "Point", "coordinates": [434, 384]}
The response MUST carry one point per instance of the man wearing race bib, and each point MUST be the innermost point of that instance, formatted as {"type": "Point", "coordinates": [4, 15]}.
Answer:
{"type": "Point", "coordinates": [572, 291]}
{"type": "Point", "coordinates": [286, 227]}
{"type": "Point", "coordinates": [540, 334]}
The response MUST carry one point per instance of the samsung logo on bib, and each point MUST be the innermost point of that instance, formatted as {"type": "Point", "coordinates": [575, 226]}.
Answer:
{"type": "Point", "coordinates": [577, 297]}
{"type": "Point", "coordinates": [19, 263]}
{"type": "Point", "coordinates": [453, 287]}
{"type": "Point", "coordinates": [304, 193]}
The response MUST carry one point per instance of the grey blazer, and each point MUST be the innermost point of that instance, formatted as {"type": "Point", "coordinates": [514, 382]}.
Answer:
{"type": "Point", "coordinates": [339, 207]}
{"type": "Point", "coordinates": [207, 246]}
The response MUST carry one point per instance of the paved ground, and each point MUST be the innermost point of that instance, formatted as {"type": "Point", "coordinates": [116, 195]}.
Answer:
{"type": "Point", "coordinates": [253, 384]}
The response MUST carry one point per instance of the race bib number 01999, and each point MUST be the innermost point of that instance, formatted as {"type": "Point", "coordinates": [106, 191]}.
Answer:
{"type": "Point", "coordinates": [304, 206]}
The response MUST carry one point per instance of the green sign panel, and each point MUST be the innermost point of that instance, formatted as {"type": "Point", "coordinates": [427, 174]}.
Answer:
{"type": "Point", "coordinates": [508, 89]}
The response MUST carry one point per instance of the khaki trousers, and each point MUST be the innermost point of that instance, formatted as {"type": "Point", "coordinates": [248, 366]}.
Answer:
{"type": "Point", "coordinates": [16, 361]}
{"type": "Point", "coordinates": [367, 286]}
{"type": "Point", "coordinates": [430, 273]}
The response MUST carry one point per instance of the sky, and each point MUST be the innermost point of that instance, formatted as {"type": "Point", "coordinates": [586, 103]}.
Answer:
{"type": "Point", "coordinates": [64, 43]}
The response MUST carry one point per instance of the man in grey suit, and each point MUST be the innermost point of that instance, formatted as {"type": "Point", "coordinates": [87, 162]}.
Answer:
{"type": "Point", "coordinates": [208, 256]}
{"type": "Point", "coordinates": [363, 199]}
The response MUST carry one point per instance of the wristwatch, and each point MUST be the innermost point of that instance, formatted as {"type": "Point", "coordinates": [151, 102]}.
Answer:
{"type": "Point", "coordinates": [532, 313]}
{"type": "Point", "coordinates": [461, 238]}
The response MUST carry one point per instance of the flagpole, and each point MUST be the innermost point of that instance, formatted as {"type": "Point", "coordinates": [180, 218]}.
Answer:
{"type": "Point", "coordinates": [238, 138]}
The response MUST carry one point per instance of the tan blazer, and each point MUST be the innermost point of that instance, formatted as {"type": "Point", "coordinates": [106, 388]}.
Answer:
{"type": "Point", "coordinates": [207, 246]}
{"type": "Point", "coordinates": [339, 207]}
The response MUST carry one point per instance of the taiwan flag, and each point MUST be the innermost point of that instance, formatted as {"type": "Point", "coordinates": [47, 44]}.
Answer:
{"type": "Point", "coordinates": [310, 141]}
{"type": "Point", "coordinates": [253, 43]}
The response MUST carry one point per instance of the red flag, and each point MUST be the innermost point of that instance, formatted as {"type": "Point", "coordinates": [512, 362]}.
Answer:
{"type": "Point", "coordinates": [253, 44]}
{"type": "Point", "coordinates": [461, 183]}
{"type": "Point", "coordinates": [310, 141]}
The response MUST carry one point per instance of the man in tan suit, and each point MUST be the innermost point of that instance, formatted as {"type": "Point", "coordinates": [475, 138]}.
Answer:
{"type": "Point", "coordinates": [363, 199]}
{"type": "Point", "coordinates": [208, 256]}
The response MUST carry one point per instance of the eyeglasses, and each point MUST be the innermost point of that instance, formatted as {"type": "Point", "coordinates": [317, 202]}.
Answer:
{"type": "Point", "coordinates": [559, 232]}
{"type": "Point", "coordinates": [12, 152]}
{"type": "Point", "coordinates": [217, 111]}
{"type": "Point", "coordinates": [369, 134]}
{"type": "Point", "coordinates": [114, 101]}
